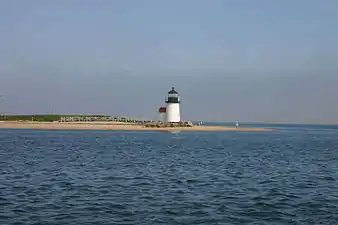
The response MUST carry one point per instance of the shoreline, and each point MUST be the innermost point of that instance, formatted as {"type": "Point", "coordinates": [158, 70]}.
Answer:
{"type": "Point", "coordinates": [116, 126]}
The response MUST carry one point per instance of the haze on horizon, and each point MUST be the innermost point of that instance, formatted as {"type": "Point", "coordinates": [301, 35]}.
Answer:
{"type": "Point", "coordinates": [264, 61]}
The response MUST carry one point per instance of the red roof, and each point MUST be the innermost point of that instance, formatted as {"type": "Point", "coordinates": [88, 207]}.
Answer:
{"type": "Point", "coordinates": [162, 110]}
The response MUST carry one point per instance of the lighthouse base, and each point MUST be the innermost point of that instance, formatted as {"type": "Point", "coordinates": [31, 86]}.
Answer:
{"type": "Point", "coordinates": [169, 125]}
{"type": "Point", "coordinates": [173, 113]}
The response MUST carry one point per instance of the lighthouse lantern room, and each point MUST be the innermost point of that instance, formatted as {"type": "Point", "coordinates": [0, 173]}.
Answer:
{"type": "Point", "coordinates": [173, 107]}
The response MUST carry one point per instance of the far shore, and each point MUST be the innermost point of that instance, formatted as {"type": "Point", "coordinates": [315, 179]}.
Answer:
{"type": "Point", "coordinates": [114, 126]}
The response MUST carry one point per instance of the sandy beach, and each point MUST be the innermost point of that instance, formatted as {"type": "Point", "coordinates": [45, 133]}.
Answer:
{"type": "Point", "coordinates": [114, 126]}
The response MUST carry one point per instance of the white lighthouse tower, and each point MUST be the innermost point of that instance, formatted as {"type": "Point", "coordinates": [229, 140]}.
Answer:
{"type": "Point", "coordinates": [173, 107]}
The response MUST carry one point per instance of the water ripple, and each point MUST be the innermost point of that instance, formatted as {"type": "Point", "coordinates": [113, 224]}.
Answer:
{"type": "Point", "coordinates": [101, 177]}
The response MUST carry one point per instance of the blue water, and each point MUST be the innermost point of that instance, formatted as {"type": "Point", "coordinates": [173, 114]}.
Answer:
{"type": "Point", "coordinates": [145, 178]}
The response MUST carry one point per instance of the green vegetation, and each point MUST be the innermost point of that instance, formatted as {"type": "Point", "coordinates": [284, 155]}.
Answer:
{"type": "Point", "coordinates": [66, 118]}
{"type": "Point", "coordinates": [41, 118]}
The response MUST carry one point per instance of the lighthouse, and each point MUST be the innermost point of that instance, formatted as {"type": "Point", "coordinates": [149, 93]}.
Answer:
{"type": "Point", "coordinates": [173, 107]}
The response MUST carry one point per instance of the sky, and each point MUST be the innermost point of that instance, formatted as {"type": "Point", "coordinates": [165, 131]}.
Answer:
{"type": "Point", "coordinates": [230, 60]}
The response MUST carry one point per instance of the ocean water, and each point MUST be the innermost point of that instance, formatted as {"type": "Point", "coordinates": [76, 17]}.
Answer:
{"type": "Point", "coordinates": [145, 178]}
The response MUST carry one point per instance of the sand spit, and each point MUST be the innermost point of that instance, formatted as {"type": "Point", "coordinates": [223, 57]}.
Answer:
{"type": "Point", "coordinates": [114, 126]}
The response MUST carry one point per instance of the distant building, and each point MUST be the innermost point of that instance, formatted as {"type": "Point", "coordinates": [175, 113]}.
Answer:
{"type": "Point", "coordinates": [162, 114]}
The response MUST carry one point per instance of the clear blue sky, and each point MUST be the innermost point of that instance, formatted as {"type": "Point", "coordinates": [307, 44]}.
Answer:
{"type": "Point", "coordinates": [230, 60]}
